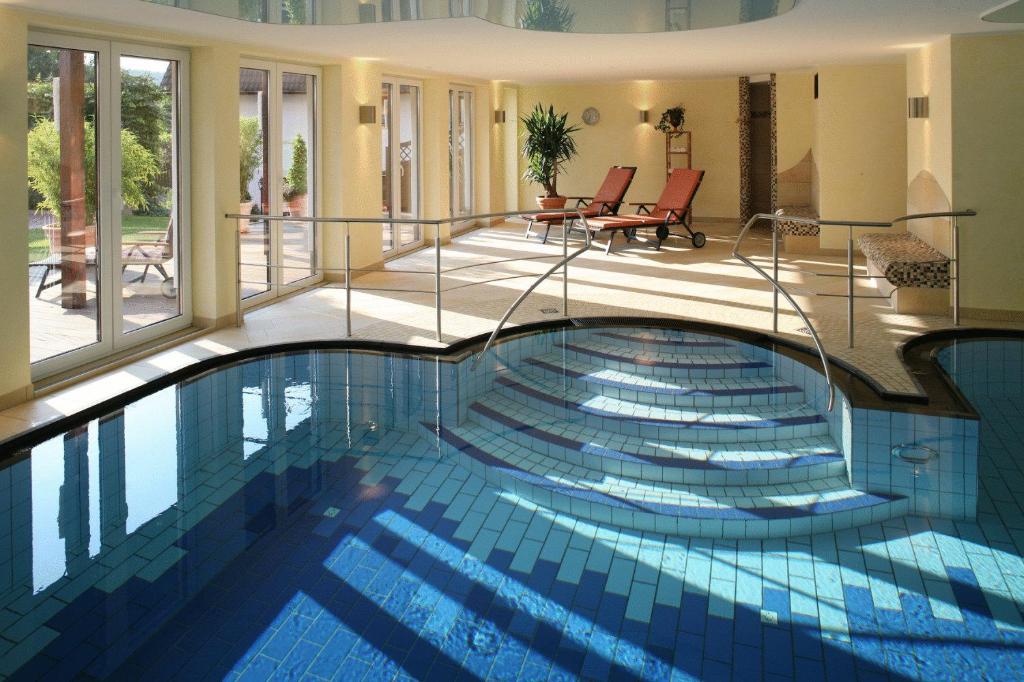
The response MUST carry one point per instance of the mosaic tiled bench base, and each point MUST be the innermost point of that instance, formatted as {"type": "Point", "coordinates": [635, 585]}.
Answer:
{"type": "Point", "coordinates": [916, 275]}
{"type": "Point", "coordinates": [665, 432]}
{"type": "Point", "coordinates": [800, 237]}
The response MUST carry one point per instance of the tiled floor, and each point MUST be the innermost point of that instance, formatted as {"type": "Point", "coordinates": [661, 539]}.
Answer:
{"type": "Point", "coordinates": [705, 284]}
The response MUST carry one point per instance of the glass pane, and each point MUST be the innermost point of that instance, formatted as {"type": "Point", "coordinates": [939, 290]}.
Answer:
{"type": "Point", "coordinates": [460, 155]}
{"type": "Point", "coordinates": [150, 262]}
{"type": "Point", "coordinates": [253, 111]}
{"type": "Point", "coordinates": [63, 204]}
{"type": "Point", "coordinates": [298, 127]}
{"type": "Point", "coordinates": [385, 155]}
{"type": "Point", "coordinates": [409, 96]}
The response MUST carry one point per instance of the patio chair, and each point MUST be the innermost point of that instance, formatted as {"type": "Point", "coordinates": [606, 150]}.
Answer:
{"type": "Point", "coordinates": [606, 202]}
{"type": "Point", "coordinates": [151, 253]}
{"type": "Point", "coordinates": [673, 208]}
{"type": "Point", "coordinates": [54, 258]}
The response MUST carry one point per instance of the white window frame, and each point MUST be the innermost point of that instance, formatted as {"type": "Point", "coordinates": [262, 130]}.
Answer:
{"type": "Point", "coordinates": [109, 302]}
{"type": "Point", "coordinates": [395, 148]}
{"type": "Point", "coordinates": [470, 176]}
{"type": "Point", "coordinates": [275, 113]}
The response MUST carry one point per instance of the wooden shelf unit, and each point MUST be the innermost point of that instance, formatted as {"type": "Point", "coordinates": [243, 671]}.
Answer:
{"type": "Point", "coordinates": [678, 145]}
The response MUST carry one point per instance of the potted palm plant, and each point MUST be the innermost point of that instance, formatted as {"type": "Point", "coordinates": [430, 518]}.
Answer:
{"type": "Point", "coordinates": [547, 145]}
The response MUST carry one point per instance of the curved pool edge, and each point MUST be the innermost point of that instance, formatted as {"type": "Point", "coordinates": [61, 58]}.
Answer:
{"type": "Point", "coordinates": [859, 388]}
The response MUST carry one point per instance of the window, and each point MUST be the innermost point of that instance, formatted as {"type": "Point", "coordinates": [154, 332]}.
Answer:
{"type": "Point", "coordinates": [460, 152]}
{"type": "Point", "coordinates": [279, 141]}
{"type": "Point", "coordinates": [107, 204]}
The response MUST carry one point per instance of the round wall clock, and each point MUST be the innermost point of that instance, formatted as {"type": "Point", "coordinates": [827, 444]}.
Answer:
{"type": "Point", "coordinates": [591, 116]}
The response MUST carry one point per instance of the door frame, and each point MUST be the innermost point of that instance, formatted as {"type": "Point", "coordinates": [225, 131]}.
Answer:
{"type": "Point", "coordinates": [470, 176]}
{"type": "Point", "coordinates": [394, 148]}
{"type": "Point", "coordinates": [109, 299]}
{"type": "Point", "coordinates": [275, 114]}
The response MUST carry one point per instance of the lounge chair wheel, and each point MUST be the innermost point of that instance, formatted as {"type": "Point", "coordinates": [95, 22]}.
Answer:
{"type": "Point", "coordinates": [168, 289]}
{"type": "Point", "coordinates": [662, 233]}
{"type": "Point", "coordinates": [699, 240]}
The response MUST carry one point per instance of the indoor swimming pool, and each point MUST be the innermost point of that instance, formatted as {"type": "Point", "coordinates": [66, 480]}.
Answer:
{"type": "Point", "coordinates": [597, 502]}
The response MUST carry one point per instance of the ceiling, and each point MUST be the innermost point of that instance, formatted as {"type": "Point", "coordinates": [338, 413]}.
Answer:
{"type": "Point", "coordinates": [816, 32]}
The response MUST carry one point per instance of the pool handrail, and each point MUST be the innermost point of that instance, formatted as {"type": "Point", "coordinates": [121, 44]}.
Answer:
{"type": "Point", "coordinates": [779, 289]}
{"type": "Point", "coordinates": [564, 263]}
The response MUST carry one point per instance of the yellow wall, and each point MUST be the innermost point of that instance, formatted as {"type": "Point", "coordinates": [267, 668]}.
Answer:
{"type": "Point", "coordinates": [930, 142]}
{"type": "Point", "coordinates": [794, 102]}
{"type": "Point", "coordinates": [14, 345]}
{"type": "Point", "coordinates": [860, 145]}
{"type": "Point", "coordinates": [988, 167]}
{"type": "Point", "coordinates": [712, 110]}
{"type": "Point", "coordinates": [215, 158]}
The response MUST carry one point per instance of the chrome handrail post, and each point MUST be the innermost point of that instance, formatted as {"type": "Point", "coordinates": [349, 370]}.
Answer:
{"type": "Point", "coordinates": [775, 269]}
{"type": "Point", "coordinates": [437, 275]}
{"type": "Point", "coordinates": [849, 285]}
{"type": "Point", "coordinates": [955, 250]}
{"type": "Point", "coordinates": [566, 224]}
{"type": "Point", "coordinates": [238, 277]}
{"type": "Point", "coordinates": [537, 282]}
{"type": "Point", "coordinates": [348, 280]}
{"type": "Point", "coordinates": [785, 294]}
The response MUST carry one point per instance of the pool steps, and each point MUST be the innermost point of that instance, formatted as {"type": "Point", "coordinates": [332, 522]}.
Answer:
{"type": "Point", "coordinates": [663, 431]}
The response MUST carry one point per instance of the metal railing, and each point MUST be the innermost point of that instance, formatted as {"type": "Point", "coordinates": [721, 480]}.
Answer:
{"type": "Point", "coordinates": [437, 272]}
{"type": "Point", "coordinates": [850, 274]}
{"type": "Point", "coordinates": [779, 289]}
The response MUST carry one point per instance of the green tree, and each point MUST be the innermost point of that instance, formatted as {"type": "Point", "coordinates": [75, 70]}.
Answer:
{"type": "Point", "coordinates": [251, 148]}
{"type": "Point", "coordinates": [138, 168]}
{"type": "Point", "coordinates": [145, 111]}
{"type": "Point", "coordinates": [297, 180]}
{"type": "Point", "coordinates": [293, 12]}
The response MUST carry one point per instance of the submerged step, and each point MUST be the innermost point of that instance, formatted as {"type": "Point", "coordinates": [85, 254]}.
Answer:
{"type": "Point", "coordinates": [680, 364]}
{"type": "Point", "coordinates": [637, 419]}
{"type": "Point", "coordinates": [644, 388]}
{"type": "Point", "coordinates": [664, 460]}
{"type": "Point", "coordinates": [733, 512]}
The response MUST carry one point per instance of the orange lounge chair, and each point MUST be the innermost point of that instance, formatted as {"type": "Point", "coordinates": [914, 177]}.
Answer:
{"type": "Point", "coordinates": [606, 202]}
{"type": "Point", "coordinates": [671, 209]}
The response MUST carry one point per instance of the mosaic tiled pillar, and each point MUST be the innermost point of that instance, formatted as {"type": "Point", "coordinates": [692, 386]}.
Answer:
{"type": "Point", "coordinates": [773, 171]}
{"type": "Point", "coordinates": [745, 154]}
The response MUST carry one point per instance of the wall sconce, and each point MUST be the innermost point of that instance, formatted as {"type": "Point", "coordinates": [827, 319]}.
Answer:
{"type": "Point", "coordinates": [499, 116]}
{"type": "Point", "coordinates": [368, 114]}
{"type": "Point", "coordinates": [645, 115]}
{"type": "Point", "coordinates": [917, 107]}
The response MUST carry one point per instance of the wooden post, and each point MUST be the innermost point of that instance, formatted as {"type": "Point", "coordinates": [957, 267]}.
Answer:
{"type": "Point", "coordinates": [71, 124]}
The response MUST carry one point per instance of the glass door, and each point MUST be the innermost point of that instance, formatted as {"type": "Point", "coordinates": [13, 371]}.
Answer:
{"type": "Point", "coordinates": [107, 219]}
{"type": "Point", "coordinates": [400, 164]}
{"type": "Point", "coordinates": [279, 170]}
{"type": "Point", "coordinates": [150, 197]}
{"type": "Point", "coordinates": [460, 152]}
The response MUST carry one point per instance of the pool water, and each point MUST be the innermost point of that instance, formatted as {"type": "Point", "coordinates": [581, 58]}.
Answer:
{"type": "Point", "coordinates": [341, 515]}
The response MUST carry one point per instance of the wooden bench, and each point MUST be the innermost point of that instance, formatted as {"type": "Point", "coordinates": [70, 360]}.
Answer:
{"type": "Point", "coordinates": [912, 273]}
{"type": "Point", "coordinates": [799, 237]}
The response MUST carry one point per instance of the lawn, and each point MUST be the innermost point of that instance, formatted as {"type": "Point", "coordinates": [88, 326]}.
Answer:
{"type": "Point", "coordinates": [38, 248]}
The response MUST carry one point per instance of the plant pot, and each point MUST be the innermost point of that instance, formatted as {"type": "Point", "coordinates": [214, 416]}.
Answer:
{"type": "Point", "coordinates": [244, 208]}
{"type": "Point", "coordinates": [297, 205]}
{"type": "Point", "coordinates": [551, 203]}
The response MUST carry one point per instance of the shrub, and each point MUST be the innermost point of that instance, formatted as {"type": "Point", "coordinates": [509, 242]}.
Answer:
{"type": "Point", "coordinates": [296, 182]}
{"type": "Point", "coordinates": [251, 148]}
{"type": "Point", "coordinates": [138, 168]}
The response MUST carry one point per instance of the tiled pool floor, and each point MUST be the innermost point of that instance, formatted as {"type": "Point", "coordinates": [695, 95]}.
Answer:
{"type": "Point", "coordinates": [395, 566]}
